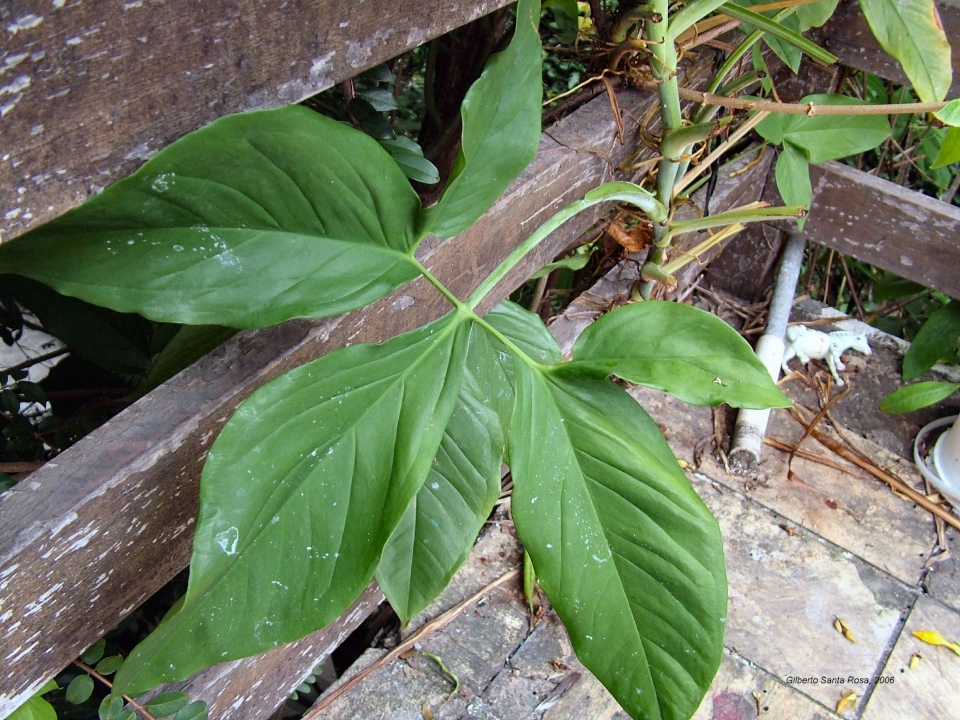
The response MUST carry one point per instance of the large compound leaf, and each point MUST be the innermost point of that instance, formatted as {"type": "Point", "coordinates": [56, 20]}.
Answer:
{"type": "Point", "coordinates": [690, 353]}
{"type": "Point", "coordinates": [624, 548]}
{"type": "Point", "coordinates": [439, 528]}
{"type": "Point", "coordinates": [501, 129]}
{"type": "Point", "coordinates": [910, 30]}
{"type": "Point", "coordinates": [252, 220]}
{"type": "Point", "coordinates": [299, 494]}
{"type": "Point", "coordinates": [938, 337]}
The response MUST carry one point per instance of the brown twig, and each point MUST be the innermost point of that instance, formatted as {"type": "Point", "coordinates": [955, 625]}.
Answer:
{"type": "Point", "coordinates": [432, 626]}
{"type": "Point", "coordinates": [805, 454]}
{"type": "Point", "coordinates": [809, 109]}
{"type": "Point", "coordinates": [897, 485]}
{"type": "Point", "coordinates": [93, 673]}
{"type": "Point", "coordinates": [30, 362]}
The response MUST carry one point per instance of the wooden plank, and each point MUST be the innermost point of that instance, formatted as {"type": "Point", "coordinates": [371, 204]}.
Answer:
{"type": "Point", "coordinates": [89, 90]}
{"type": "Point", "coordinates": [878, 222]}
{"type": "Point", "coordinates": [92, 534]}
{"type": "Point", "coordinates": [848, 36]}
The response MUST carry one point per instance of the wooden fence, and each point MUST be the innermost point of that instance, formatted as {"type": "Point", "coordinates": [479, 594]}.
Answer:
{"type": "Point", "coordinates": [87, 91]}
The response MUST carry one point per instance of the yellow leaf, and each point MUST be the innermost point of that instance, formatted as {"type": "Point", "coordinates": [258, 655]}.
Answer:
{"type": "Point", "coordinates": [932, 637]}
{"type": "Point", "coordinates": [915, 660]}
{"type": "Point", "coordinates": [841, 627]}
{"type": "Point", "coordinates": [848, 700]}
{"type": "Point", "coordinates": [426, 712]}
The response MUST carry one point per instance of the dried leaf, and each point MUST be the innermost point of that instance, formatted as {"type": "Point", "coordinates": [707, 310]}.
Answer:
{"type": "Point", "coordinates": [841, 627]}
{"type": "Point", "coordinates": [932, 637]}
{"type": "Point", "coordinates": [792, 532]}
{"type": "Point", "coordinates": [408, 654]}
{"type": "Point", "coordinates": [848, 699]}
{"type": "Point", "coordinates": [633, 240]}
{"type": "Point", "coordinates": [915, 660]}
{"type": "Point", "coordinates": [426, 711]}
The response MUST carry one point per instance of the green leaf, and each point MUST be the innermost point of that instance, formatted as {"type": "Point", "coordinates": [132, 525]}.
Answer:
{"type": "Point", "coordinates": [255, 219]}
{"type": "Point", "coordinates": [949, 150]}
{"type": "Point", "coordinates": [293, 513]}
{"type": "Point", "coordinates": [104, 337]}
{"type": "Point", "coordinates": [950, 114]}
{"type": "Point", "coordinates": [190, 344]}
{"type": "Point", "coordinates": [813, 15]}
{"type": "Point", "coordinates": [529, 580]}
{"type": "Point", "coordinates": [109, 665]}
{"type": "Point", "coordinates": [439, 528]}
{"type": "Point", "coordinates": [827, 137]}
{"type": "Point", "coordinates": [526, 330]}
{"type": "Point", "coordinates": [910, 31]}
{"type": "Point", "coordinates": [371, 121]}
{"type": "Point", "coordinates": [415, 167]}
{"type": "Point", "coordinates": [623, 547]}
{"type": "Point", "coordinates": [196, 710]}
{"type": "Point", "coordinates": [936, 339]}
{"type": "Point", "coordinates": [890, 287]}
{"type": "Point", "coordinates": [917, 396]}
{"type": "Point", "coordinates": [6, 482]}
{"type": "Point", "coordinates": [80, 689]}
{"type": "Point", "coordinates": [793, 178]}
{"type": "Point", "coordinates": [127, 714]}
{"type": "Point", "coordinates": [111, 707]}
{"type": "Point", "coordinates": [501, 129]}
{"type": "Point", "coordinates": [690, 353]}
{"type": "Point", "coordinates": [760, 65]}
{"type": "Point", "coordinates": [36, 708]}
{"type": "Point", "coordinates": [380, 99]}
{"type": "Point", "coordinates": [576, 261]}
{"type": "Point", "coordinates": [92, 654]}
{"type": "Point", "coordinates": [167, 703]}
{"type": "Point", "coordinates": [791, 56]}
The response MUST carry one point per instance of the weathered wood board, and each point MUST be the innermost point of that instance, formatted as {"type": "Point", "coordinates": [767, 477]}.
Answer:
{"type": "Point", "coordinates": [883, 224]}
{"type": "Point", "coordinates": [847, 35]}
{"type": "Point", "coordinates": [92, 534]}
{"type": "Point", "coordinates": [89, 90]}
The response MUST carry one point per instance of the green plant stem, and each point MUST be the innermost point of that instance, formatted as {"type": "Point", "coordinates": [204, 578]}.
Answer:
{"type": "Point", "coordinates": [605, 193]}
{"type": "Point", "coordinates": [440, 286]}
{"type": "Point", "coordinates": [790, 212]}
{"type": "Point", "coordinates": [664, 68]}
{"type": "Point", "coordinates": [734, 59]}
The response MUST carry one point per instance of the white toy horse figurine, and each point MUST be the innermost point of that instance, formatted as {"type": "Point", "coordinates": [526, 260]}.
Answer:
{"type": "Point", "coordinates": [805, 343]}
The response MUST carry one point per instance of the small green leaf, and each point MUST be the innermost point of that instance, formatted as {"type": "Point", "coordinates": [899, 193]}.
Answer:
{"type": "Point", "coordinates": [950, 115]}
{"type": "Point", "coordinates": [936, 339]}
{"type": "Point", "coordinates": [813, 15]}
{"type": "Point", "coordinates": [380, 99]}
{"type": "Point", "coordinates": [80, 689]}
{"type": "Point", "coordinates": [917, 396]}
{"type": "Point", "coordinates": [911, 31]}
{"type": "Point", "coordinates": [299, 494]}
{"type": "Point", "coordinates": [109, 665]}
{"type": "Point", "coordinates": [371, 121]}
{"type": "Point", "coordinates": [501, 129]}
{"type": "Point", "coordinates": [255, 219]}
{"type": "Point", "coordinates": [378, 73]}
{"type": "Point", "coordinates": [760, 65]}
{"type": "Point", "coordinates": [127, 714]}
{"type": "Point", "coordinates": [6, 482]}
{"type": "Point", "coordinates": [303, 688]}
{"type": "Point", "coordinates": [690, 353]}
{"type": "Point", "coordinates": [31, 391]}
{"type": "Point", "coordinates": [793, 178]}
{"type": "Point", "coordinates": [950, 149]}
{"type": "Point", "coordinates": [167, 703]}
{"type": "Point", "coordinates": [111, 707]}
{"type": "Point", "coordinates": [890, 287]}
{"type": "Point", "coordinates": [440, 527]}
{"type": "Point", "coordinates": [576, 261]}
{"type": "Point", "coordinates": [529, 579]}
{"type": "Point", "coordinates": [623, 547]}
{"type": "Point", "coordinates": [415, 167]}
{"type": "Point", "coordinates": [92, 654]}
{"type": "Point", "coordinates": [526, 330]}
{"type": "Point", "coordinates": [196, 710]}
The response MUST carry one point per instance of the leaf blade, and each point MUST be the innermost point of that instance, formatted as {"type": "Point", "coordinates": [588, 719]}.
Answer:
{"type": "Point", "coordinates": [230, 226]}
{"type": "Point", "coordinates": [501, 129]}
{"type": "Point", "coordinates": [285, 480]}
{"type": "Point", "coordinates": [938, 336]}
{"type": "Point", "coordinates": [592, 498]}
{"type": "Point", "coordinates": [439, 528]}
{"type": "Point", "coordinates": [917, 396]}
{"type": "Point", "coordinates": [688, 361]}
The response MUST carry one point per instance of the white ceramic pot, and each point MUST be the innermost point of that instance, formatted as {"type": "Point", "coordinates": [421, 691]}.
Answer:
{"type": "Point", "coordinates": [942, 465]}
